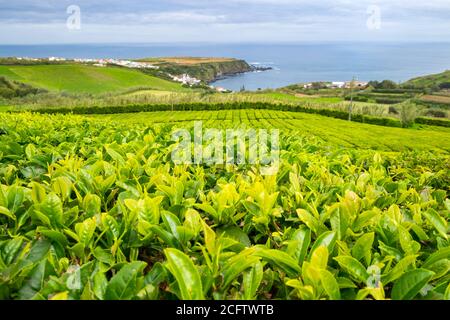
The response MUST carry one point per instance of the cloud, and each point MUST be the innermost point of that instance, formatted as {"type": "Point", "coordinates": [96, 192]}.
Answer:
{"type": "Point", "coordinates": [32, 21]}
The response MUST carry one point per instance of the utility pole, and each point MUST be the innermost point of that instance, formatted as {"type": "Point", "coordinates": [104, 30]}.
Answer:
{"type": "Point", "coordinates": [350, 108]}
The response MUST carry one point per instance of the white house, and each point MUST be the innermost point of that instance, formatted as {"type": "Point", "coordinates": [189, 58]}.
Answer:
{"type": "Point", "coordinates": [220, 89]}
{"type": "Point", "coordinates": [356, 84]}
{"type": "Point", "coordinates": [186, 79]}
{"type": "Point", "coordinates": [338, 84]}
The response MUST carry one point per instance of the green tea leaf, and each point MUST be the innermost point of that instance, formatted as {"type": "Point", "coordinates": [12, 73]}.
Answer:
{"type": "Point", "coordinates": [115, 155]}
{"type": "Point", "coordinates": [35, 280]}
{"type": "Point", "coordinates": [447, 293]}
{"type": "Point", "coordinates": [236, 234]}
{"type": "Point", "coordinates": [16, 197]}
{"type": "Point", "coordinates": [62, 186]}
{"type": "Point", "coordinates": [238, 264]}
{"type": "Point", "coordinates": [363, 247]}
{"type": "Point", "coordinates": [52, 209]}
{"type": "Point", "coordinates": [100, 285]}
{"type": "Point", "coordinates": [409, 246]}
{"type": "Point", "coordinates": [210, 239]}
{"type": "Point", "coordinates": [252, 280]}
{"type": "Point", "coordinates": [92, 205]}
{"type": "Point", "coordinates": [443, 253]}
{"type": "Point", "coordinates": [439, 223]}
{"type": "Point", "coordinates": [308, 219]}
{"type": "Point", "coordinates": [280, 259]}
{"type": "Point", "coordinates": [339, 221]}
{"type": "Point", "coordinates": [327, 239]}
{"type": "Point", "coordinates": [353, 267]}
{"type": "Point", "coordinates": [399, 269]}
{"type": "Point", "coordinates": [85, 231]}
{"type": "Point", "coordinates": [10, 251]}
{"type": "Point", "coordinates": [330, 284]}
{"type": "Point", "coordinates": [5, 211]}
{"type": "Point", "coordinates": [301, 240]}
{"type": "Point", "coordinates": [185, 273]}
{"type": "Point", "coordinates": [410, 284]}
{"type": "Point", "coordinates": [124, 285]}
{"type": "Point", "coordinates": [319, 258]}
{"type": "Point", "coordinates": [38, 193]}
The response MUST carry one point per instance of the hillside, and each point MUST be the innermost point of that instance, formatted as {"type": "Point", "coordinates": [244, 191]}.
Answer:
{"type": "Point", "coordinates": [434, 81]}
{"type": "Point", "coordinates": [75, 78]}
{"type": "Point", "coordinates": [437, 89]}
{"type": "Point", "coordinates": [205, 69]}
{"type": "Point", "coordinates": [12, 89]}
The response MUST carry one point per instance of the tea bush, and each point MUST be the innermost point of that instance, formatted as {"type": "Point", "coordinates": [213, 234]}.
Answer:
{"type": "Point", "coordinates": [97, 210]}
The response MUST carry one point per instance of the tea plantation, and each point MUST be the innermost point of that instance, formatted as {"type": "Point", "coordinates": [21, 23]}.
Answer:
{"type": "Point", "coordinates": [92, 207]}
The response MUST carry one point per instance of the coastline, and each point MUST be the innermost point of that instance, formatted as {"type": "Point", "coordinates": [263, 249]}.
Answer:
{"type": "Point", "coordinates": [252, 69]}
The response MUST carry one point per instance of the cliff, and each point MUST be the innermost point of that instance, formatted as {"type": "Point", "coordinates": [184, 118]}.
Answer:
{"type": "Point", "coordinates": [205, 69]}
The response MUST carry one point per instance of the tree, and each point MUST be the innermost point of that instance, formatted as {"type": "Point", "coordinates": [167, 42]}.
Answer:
{"type": "Point", "coordinates": [388, 84]}
{"type": "Point", "coordinates": [374, 84]}
{"type": "Point", "coordinates": [318, 85]}
{"type": "Point", "coordinates": [408, 114]}
{"type": "Point", "coordinates": [350, 107]}
{"type": "Point", "coordinates": [385, 84]}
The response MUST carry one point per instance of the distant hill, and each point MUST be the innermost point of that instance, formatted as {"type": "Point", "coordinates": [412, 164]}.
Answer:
{"type": "Point", "coordinates": [435, 82]}
{"type": "Point", "coordinates": [77, 78]}
{"type": "Point", "coordinates": [205, 69]}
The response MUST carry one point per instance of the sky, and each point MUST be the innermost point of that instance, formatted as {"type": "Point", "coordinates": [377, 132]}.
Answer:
{"type": "Point", "coordinates": [226, 21]}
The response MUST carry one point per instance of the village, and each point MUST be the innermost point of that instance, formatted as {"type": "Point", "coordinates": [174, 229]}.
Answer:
{"type": "Point", "coordinates": [95, 62]}
{"type": "Point", "coordinates": [116, 62]}
{"type": "Point", "coordinates": [336, 85]}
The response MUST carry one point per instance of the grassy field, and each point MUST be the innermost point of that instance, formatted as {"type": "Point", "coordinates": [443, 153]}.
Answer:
{"type": "Point", "coordinates": [285, 97]}
{"type": "Point", "coordinates": [334, 131]}
{"type": "Point", "coordinates": [270, 97]}
{"type": "Point", "coordinates": [85, 79]}
{"type": "Point", "coordinates": [436, 98]}
{"type": "Point", "coordinates": [149, 92]}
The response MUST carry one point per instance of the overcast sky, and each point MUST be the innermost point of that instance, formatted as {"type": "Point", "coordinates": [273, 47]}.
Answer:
{"type": "Point", "coordinates": [126, 21]}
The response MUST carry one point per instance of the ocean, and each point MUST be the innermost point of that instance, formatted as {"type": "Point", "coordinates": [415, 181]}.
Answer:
{"type": "Point", "coordinates": [291, 63]}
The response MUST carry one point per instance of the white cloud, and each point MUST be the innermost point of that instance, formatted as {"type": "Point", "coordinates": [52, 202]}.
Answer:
{"type": "Point", "coordinates": [28, 21]}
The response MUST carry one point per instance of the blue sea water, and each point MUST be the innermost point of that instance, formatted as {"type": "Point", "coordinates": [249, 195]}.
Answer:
{"type": "Point", "coordinates": [291, 63]}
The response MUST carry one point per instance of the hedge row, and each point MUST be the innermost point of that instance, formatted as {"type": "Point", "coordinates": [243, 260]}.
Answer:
{"type": "Point", "coordinates": [433, 122]}
{"type": "Point", "coordinates": [433, 104]}
{"type": "Point", "coordinates": [165, 107]}
{"type": "Point", "coordinates": [388, 122]}
{"type": "Point", "coordinates": [357, 98]}
{"type": "Point", "coordinates": [378, 98]}
{"type": "Point", "coordinates": [390, 100]}
{"type": "Point", "coordinates": [337, 114]}
{"type": "Point", "coordinates": [405, 91]}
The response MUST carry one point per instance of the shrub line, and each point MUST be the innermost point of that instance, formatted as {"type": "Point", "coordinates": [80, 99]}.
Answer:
{"type": "Point", "coordinates": [337, 114]}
